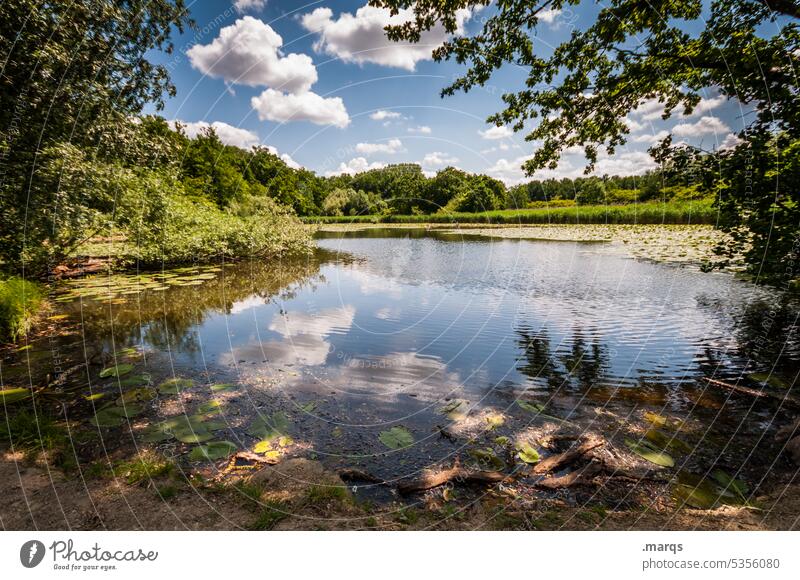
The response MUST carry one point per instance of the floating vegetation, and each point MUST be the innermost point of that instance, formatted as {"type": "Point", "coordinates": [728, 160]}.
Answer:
{"type": "Point", "coordinates": [135, 381]}
{"type": "Point", "coordinates": [704, 493]}
{"type": "Point", "coordinates": [223, 388]}
{"type": "Point", "coordinates": [269, 428]}
{"type": "Point", "coordinates": [213, 451]}
{"type": "Point", "coordinates": [115, 415]}
{"type": "Point", "coordinates": [527, 454]}
{"type": "Point", "coordinates": [647, 451]}
{"type": "Point", "coordinates": [116, 371]}
{"type": "Point", "coordinates": [768, 379]}
{"type": "Point", "coordinates": [185, 428]}
{"type": "Point", "coordinates": [495, 420]}
{"type": "Point", "coordinates": [397, 438]}
{"type": "Point", "coordinates": [666, 441]}
{"type": "Point", "coordinates": [487, 458]}
{"type": "Point", "coordinates": [175, 386]}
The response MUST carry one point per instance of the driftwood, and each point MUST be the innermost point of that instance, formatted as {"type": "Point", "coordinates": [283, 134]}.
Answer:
{"type": "Point", "coordinates": [358, 475]}
{"type": "Point", "coordinates": [786, 399]}
{"type": "Point", "coordinates": [433, 479]}
{"type": "Point", "coordinates": [555, 462]}
{"type": "Point", "coordinates": [579, 476]}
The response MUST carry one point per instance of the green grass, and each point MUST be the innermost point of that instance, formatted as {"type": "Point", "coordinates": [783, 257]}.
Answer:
{"type": "Point", "coordinates": [674, 212]}
{"type": "Point", "coordinates": [33, 433]}
{"type": "Point", "coordinates": [270, 515]}
{"type": "Point", "coordinates": [20, 300]}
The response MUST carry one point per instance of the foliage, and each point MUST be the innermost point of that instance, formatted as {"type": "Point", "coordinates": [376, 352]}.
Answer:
{"type": "Point", "coordinates": [348, 201]}
{"type": "Point", "coordinates": [19, 302]}
{"type": "Point", "coordinates": [67, 88]}
{"type": "Point", "coordinates": [580, 93]}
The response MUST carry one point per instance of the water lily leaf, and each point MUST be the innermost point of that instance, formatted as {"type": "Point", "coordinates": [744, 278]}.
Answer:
{"type": "Point", "coordinates": [527, 454]}
{"type": "Point", "coordinates": [114, 416]}
{"type": "Point", "coordinates": [648, 453]}
{"type": "Point", "coordinates": [116, 371]}
{"type": "Point", "coordinates": [534, 408]}
{"type": "Point", "coordinates": [308, 407]}
{"type": "Point", "coordinates": [210, 407]}
{"type": "Point", "coordinates": [94, 397]}
{"type": "Point", "coordinates": [223, 388]}
{"type": "Point", "coordinates": [285, 441]}
{"type": "Point", "coordinates": [137, 395]}
{"type": "Point", "coordinates": [135, 381]}
{"type": "Point", "coordinates": [397, 438]}
{"type": "Point", "coordinates": [665, 441]}
{"type": "Point", "coordinates": [156, 436]}
{"type": "Point", "coordinates": [502, 440]}
{"type": "Point", "coordinates": [192, 436]}
{"type": "Point", "coordinates": [728, 483]}
{"type": "Point", "coordinates": [213, 451]}
{"type": "Point", "coordinates": [14, 395]}
{"type": "Point", "coordinates": [455, 410]}
{"type": "Point", "coordinates": [269, 428]}
{"type": "Point", "coordinates": [174, 386]}
{"type": "Point", "coordinates": [487, 457]}
{"type": "Point", "coordinates": [494, 420]}
{"type": "Point", "coordinates": [262, 446]}
{"type": "Point", "coordinates": [768, 379]}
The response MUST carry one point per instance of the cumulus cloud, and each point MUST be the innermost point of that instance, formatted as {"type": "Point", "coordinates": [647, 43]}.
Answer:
{"type": "Point", "coordinates": [382, 115]}
{"type": "Point", "coordinates": [356, 165]}
{"type": "Point", "coordinates": [422, 130]}
{"type": "Point", "coordinates": [651, 137]}
{"type": "Point", "coordinates": [649, 109]}
{"type": "Point", "coordinates": [549, 15]}
{"type": "Point", "coordinates": [280, 107]}
{"type": "Point", "coordinates": [245, 5]}
{"type": "Point", "coordinates": [361, 37]}
{"type": "Point", "coordinates": [704, 126]}
{"type": "Point", "coordinates": [228, 134]}
{"type": "Point", "coordinates": [706, 105]}
{"type": "Point", "coordinates": [731, 141]}
{"type": "Point", "coordinates": [572, 165]}
{"type": "Point", "coordinates": [390, 147]}
{"type": "Point", "coordinates": [248, 52]}
{"type": "Point", "coordinates": [437, 159]}
{"type": "Point", "coordinates": [285, 157]}
{"type": "Point", "coordinates": [496, 133]}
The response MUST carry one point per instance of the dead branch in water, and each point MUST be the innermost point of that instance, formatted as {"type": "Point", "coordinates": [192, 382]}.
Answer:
{"type": "Point", "coordinates": [555, 462]}
{"type": "Point", "coordinates": [432, 479]}
{"type": "Point", "coordinates": [579, 476]}
{"type": "Point", "coordinates": [786, 399]}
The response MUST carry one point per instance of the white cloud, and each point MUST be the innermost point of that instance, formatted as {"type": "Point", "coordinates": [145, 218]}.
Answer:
{"type": "Point", "coordinates": [285, 157]}
{"type": "Point", "coordinates": [254, 5]}
{"type": "Point", "coordinates": [438, 159]}
{"type": "Point", "coordinates": [704, 126]}
{"type": "Point", "coordinates": [422, 129]}
{"type": "Point", "coordinates": [382, 115]}
{"type": "Point", "coordinates": [228, 134]}
{"type": "Point", "coordinates": [248, 52]}
{"type": "Point", "coordinates": [361, 37]}
{"type": "Point", "coordinates": [633, 125]}
{"type": "Point", "coordinates": [706, 105]}
{"type": "Point", "coordinates": [651, 137]}
{"type": "Point", "coordinates": [496, 133]}
{"type": "Point", "coordinates": [649, 109]}
{"type": "Point", "coordinates": [281, 107]}
{"type": "Point", "coordinates": [356, 165]}
{"type": "Point", "coordinates": [390, 147]}
{"type": "Point", "coordinates": [730, 142]}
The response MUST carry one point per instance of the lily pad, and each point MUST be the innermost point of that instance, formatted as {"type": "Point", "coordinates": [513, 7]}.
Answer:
{"type": "Point", "coordinates": [114, 416]}
{"type": "Point", "coordinates": [192, 435]}
{"type": "Point", "coordinates": [527, 454]}
{"type": "Point", "coordinates": [487, 457]}
{"type": "Point", "coordinates": [175, 386]}
{"type": "Point", "coordinates": [396, 438]}
{"type": "Point", "coordinates": [495, 420]}
{"type": "Point", "coordinates": [531, 407]}
{"type": "Point", "coordinates": [213, 451]}
{"type": "Point", "coordinates": [768, 379]}
{"type": "Point", "coordinates": [116, 371]}
{"type": "Point", "coordinates": [223, 388]}
{"type": "Point", "coordinates": [650, 454]}
{"type": "Point", "coordinates": [262, 446]}
{"type": "Point", "coordinates": [135, 381]}
{"type": "Point", "coordinates": [269, 428]}
{"type": "Point", "coordinates": [136, 395]}
{"type": "Point", "coordinates": [210, 407]}
{"type": "Point", "coordinates": [665, 441]}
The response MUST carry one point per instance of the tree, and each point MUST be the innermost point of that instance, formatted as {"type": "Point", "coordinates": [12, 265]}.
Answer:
{"type": "Point", "coordinates": [593, 191]}
{"type": "Point", "coordinates": [444, 186]}
{"type": "Point", "coordinates": [72, 72]}
{"type": "Point", "coordinates": [580, 93]}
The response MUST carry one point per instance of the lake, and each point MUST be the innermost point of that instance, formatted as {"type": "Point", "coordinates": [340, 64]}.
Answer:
{"type": "Point", "coordinates": [394, 350]}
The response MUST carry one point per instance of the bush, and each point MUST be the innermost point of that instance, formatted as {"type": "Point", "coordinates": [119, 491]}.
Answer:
{"type": "Point", "coordinates": [19, 302]}
{"type": "Point", "coordinates": [171, 229]}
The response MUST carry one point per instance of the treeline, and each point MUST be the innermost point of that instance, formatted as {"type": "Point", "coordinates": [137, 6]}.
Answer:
{"type": "Point", "coordinates": [223, 174]}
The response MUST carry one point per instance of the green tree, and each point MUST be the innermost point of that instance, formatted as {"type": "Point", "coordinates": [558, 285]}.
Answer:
{"type": "Point", "coordinates": [72, 72]}
{"type": "Point", "coordinates": [444, 186]}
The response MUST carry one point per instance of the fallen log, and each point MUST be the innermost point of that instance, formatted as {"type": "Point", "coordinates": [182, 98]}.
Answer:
{"type": "Point", "coordinates": [579, 476]}
{"type": "Point", "coordinates": [555, 462]}
{"type": "Point", "coordinates": [785, 398]}
{"type": "Point", "coordinates": [432, 479]}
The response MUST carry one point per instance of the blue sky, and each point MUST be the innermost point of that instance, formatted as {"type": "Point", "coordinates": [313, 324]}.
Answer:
{"type": "Point", "coordinates": [320, 83]}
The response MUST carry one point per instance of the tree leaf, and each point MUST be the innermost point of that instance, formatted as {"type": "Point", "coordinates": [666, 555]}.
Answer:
{"type": "Point", "coordinates": [648, 453]}
{"type": "Point", "coordinates": [527, 454]}
{"type": "Point", "coordinates": [116, 371]}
